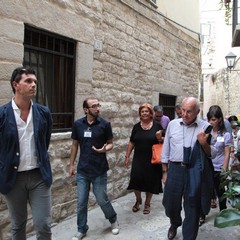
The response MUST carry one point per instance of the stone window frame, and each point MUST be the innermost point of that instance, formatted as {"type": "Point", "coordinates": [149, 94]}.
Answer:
{"type": "Point", "coordinates": [53, 57]}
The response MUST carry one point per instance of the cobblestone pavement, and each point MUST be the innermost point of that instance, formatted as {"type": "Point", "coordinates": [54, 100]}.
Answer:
{"type": "Point", "coordinates": [137, 226]}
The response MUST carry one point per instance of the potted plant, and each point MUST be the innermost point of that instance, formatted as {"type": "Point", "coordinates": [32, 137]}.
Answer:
{"type": "Point", "coordinates": [231, 182]}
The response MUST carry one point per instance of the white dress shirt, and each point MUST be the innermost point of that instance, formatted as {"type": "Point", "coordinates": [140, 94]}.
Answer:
{"type": "Point", "coordinates": [28, 159]}
{"type": "Point", "coordinates": [179, 135]}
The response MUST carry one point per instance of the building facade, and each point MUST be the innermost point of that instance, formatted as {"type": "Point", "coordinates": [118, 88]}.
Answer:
{"type": "Point", "coordinates": [219, 34]}
{"type": "Point", "coordinates": [124, 52]}
{"type": "Point", "coordinates": [223, 90]}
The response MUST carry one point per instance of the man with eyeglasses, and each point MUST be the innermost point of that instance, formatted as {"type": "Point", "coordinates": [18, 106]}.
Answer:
{"type": "Point", "coordinates": [25, 171]}
{"type": "Point", "coordinates": [94, 136]}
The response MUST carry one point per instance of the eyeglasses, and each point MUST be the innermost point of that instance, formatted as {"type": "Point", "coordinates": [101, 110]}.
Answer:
{"type": "Point", "coordinates": [94, 106]}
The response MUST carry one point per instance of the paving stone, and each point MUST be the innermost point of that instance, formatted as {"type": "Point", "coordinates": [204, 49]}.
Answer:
{"type": "Point", "coordinates": [137, 226]}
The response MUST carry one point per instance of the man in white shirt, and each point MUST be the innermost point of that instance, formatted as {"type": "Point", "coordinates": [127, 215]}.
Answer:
{"type": "Point", "coordinates": [25, 171]}
{"type": "Point", "coordinates": [181, 136]}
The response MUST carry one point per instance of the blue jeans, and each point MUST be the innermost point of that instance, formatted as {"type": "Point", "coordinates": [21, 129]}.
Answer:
{"type": "Point", "coordinates": [30, 188]}
{"type": "Point", "coordinates": [100, 192]}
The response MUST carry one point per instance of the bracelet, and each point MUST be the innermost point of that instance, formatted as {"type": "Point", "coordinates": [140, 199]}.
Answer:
{"type": "Point", "coordinates": [164, 171]}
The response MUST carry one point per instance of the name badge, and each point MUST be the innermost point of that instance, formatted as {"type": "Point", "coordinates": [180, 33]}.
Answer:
{"type": "Point", "coordinates": [220, 139]}
{"type": "Point", "coordinates": [88, 134]}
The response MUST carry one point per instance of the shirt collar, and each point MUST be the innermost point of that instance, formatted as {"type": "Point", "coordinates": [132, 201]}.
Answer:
{"type": "Point", "coordinates": [195, 123]}
{"type": "Point", "coordinates": [14, 105]}
{"type": "Point", "coordinates": [97, 119]}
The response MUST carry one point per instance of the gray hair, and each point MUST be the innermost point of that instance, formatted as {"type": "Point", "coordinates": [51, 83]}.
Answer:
{"type": "Point", "coordinates": [158, 108]}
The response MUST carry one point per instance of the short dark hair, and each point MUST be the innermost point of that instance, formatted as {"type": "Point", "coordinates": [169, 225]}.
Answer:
{"type": "Point", "coordinates": [17, 74]}
{"type": "Point", "coordinates": [85, 102]}
{"type": "Point", "coordinates": [233, 118]}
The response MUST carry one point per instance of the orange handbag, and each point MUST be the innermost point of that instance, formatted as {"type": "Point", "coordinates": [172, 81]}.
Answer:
{"type": "Point", "coordinates": [156, 153]}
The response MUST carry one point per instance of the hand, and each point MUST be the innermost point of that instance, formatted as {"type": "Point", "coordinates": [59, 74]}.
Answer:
{"type": "Point", "coordinates": [164, 177]}
{"type": "Point", "coordinates": [158, 135]}
{"type": "Point", "coordinates": [126, 161]}
{"type": "Point", "coordinates": [202, 137]}
{"type": "Point", "coordinates": [232, 155]}
{"type": "Point", "coordinates": [71, 170]}
{"type": "Point", "coordinates": [100, 150]}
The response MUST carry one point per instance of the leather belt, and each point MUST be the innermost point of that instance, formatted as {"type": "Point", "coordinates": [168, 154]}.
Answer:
{"type": "Point", "coordinates": [180, 163]}
{"type": "Point", "coordinates": [29, 171]}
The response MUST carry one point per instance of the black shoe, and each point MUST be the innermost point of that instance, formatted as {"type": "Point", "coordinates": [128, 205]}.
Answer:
{"type": "Point", "coordinates": [172, 231]}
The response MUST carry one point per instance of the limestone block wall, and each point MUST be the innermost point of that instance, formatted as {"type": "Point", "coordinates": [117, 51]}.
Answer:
{"type": "Point", "coordinates": [138, 55]}
{"type": "Point", "coordinates": [222, 88]}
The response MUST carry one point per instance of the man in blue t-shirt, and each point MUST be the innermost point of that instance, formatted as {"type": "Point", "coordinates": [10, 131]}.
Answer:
{"type": "Point", "coordinates": [94, 136]}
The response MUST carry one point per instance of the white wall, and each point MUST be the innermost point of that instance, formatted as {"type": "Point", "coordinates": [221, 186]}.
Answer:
{"type": "Point", "coordinates": [184, 12]}
{"type": "Point", "coordinates": [217, 44]}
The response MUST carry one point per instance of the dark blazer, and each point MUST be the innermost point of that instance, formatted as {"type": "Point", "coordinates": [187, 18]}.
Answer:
{"type": "Point", "coordinates": [9, 144]}
{"type": "Point", "coordinates": [200, 178]}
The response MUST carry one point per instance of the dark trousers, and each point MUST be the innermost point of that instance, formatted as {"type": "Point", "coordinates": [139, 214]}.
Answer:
{"type": "Point", "coordinates": [30, 188]}
{"type": "Point", "coordinates": [175, 190]}
{"type": "Point", "coordinates": [219, 191]}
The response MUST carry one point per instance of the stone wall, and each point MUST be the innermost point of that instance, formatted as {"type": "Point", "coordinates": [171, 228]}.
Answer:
{"type": "Point", "coordinates": [222, 88]}
{"type": "Point", "coordinates": [138, 55]}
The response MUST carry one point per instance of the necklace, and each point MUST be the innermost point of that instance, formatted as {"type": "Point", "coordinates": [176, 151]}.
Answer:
{"type": "Point", "coordinates": [146, 126]}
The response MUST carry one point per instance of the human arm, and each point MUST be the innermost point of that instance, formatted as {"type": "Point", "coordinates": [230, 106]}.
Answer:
{"type": "Point", "coordinates": [159, 136]}
{"type": "Point", "coordinates": [164, 172]}
{"type": "Point", "coordinates": [74, 150]}
{"type": "Point", "coordinates": [106, 147]}
{"type": "Point", "coordinates": [202, 138]}
{"type": "Point", "coordinates": [130, 147]}
{"type": "Point", "coordinates": [165, 121]}
{"type": "Point", "coordinates": [165, 155]}
{"type": "Point", "coordinates": [228, 141]}
{"type": "Point", "coordinates": [49, 128]}
{"type": "Point", "coordinates": [227, 151]}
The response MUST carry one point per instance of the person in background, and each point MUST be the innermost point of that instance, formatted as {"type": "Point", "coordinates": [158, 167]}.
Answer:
{"type": "Point", "coordinates": [235, 149]}
{"type": "Point", "coordinates": [145, 176]}
{"type": "Point", "coordinates": [222, 142]}
{"type": "Point", "coordinates": [25, 170]}
{"type": "Point", "coordinates": [94, 136]}
{"type": "Point", "coordinates": [187, 170]}
{"type": "Point", "coordinates": [228, 125]}
{"type": "Point", "coordinates": [178, 111]}
{"type": "Point", "coordinates": [229, 129]}
{"type": "Point", "coordinates": [159, 117]}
